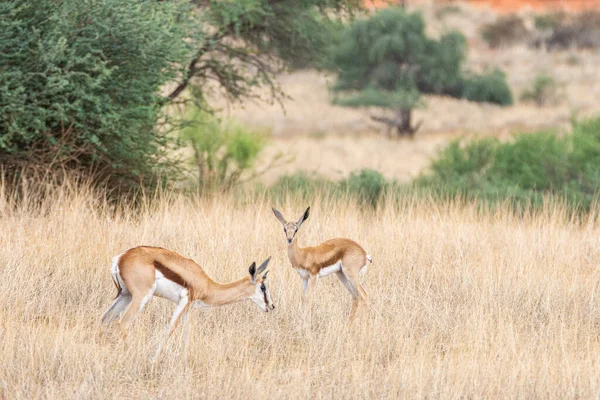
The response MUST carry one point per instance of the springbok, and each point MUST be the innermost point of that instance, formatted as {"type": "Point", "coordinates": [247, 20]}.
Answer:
{"type": "Point", "coordinates": [345, 257]}
{"type": "Point", "coordinates": [143, 272]}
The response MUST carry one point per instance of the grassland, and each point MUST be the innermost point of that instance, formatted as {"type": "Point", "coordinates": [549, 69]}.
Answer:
{"type": "Point", "coordinates": [464, 304]}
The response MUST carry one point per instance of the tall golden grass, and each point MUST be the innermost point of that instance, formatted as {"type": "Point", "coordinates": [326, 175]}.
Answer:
{"type": "Point", "coordinates": [464, 304]}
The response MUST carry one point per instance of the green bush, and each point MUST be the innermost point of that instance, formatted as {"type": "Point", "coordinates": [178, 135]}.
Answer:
{"type": "Point", "coordinates": [366, 185]}
{"type": "Point", "coordinates": [490, 87]}
{"type": "Point", "coordinates": [524, 170]}
{"type": "Point", "coordinates": [536, 161]}
{"type": "Point", "coordinates": [79, 85]}
{"type": "Point", "coordinates": [304, 186]}
{"type": "Point", "coordinates": [543, 90]}
{"type": "Point", "coordinates": [223, 150]}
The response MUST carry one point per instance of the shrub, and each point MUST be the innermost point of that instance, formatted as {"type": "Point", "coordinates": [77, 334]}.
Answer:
{"type": "Point", "coordinates": [460, 160]}
{"type": "Point", "coordinates": [536, 161]}
{"type": "Point", "coordinates": [507, 30]}
{"type": "Point", "coordinates": [490, 87]}
{"type": "Point", "coordinates": [585, 156]}
{"type": "Point", "coordinates": [79, 84]}
{"type": "Point", "coordinates": [580, 30]}
{"type": "Point", "coordinates": [303, 186]}
{"type": "Point", "coordinates": [524, 170]}
{"type": "Point", "coordinates": [543, 90]}
{"type": "Point", "coordinates": [549, 21]}
{"type": "Point", "coordinates": [223, 150]}
{"type": "Point", "coordinates": [366, 185]}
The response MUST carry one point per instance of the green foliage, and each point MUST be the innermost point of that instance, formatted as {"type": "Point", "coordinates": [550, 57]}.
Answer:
{"type": "Point", "coordinates": [585, 155]}
{"type": "Point", "coordinates": [223, 150]}
{"type": "Point", "coordinates": [366, 185]}
{"type": "Point", "coordinates": [79, 83]}
{"type": "Point", "coordinates": [543, 90]}
{"type": "Point", "coordinates": [488, 88]}
{"type": "Point", "coordinates": [458, 160]}
{"type": "Point", "coordinates": [301, 185]}
{"type": "Point", "coordinates": [241, 45]}
{"type": "Point", "coordinates": [380, 98]}
{"type": "Point", "coordinates": [524, 170]}
{"type": "Point", "coordinates": [440, 67]}
{"type": "Point", "coordinates": [80, 80]}
{"type": "Point", "coordinates": [387, 61]}
{"type": "Point", "coordinates": [389, 53]}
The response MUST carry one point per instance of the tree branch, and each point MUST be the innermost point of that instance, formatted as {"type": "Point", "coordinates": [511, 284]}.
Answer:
{"type": "Point", "coordinates": [191, 69]}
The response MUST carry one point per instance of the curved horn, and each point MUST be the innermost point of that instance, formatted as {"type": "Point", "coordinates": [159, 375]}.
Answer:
{"type": "Point", "coordinates": [263, 266]}
{"type": "Point", "coordinates": [265, 275]}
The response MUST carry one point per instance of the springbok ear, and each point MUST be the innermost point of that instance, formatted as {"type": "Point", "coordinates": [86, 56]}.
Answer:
{"type": "Point", "coordinates": [263, 266]}
{"type": "Point", "coordinates": [304, 217]}
{"type": "Point", "coordinates": [252, 271]}
{"type": "Point", "coordinates": [279, 216]}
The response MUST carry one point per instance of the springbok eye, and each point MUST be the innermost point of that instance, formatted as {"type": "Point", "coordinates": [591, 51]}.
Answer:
{"type": "Point", "coordinates": [263, 288]}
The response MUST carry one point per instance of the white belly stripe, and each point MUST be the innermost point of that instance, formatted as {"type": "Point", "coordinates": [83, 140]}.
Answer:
{"type": "Point", "coordinates": [330, 269]}
{"type": "Point", "coordinates": [168, 289]}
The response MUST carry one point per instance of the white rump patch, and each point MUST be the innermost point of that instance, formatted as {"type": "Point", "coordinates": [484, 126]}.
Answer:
{"type": "Point", "coordinates": [363, 270]}
{"type": "Point", "coordinates": [116, 273]}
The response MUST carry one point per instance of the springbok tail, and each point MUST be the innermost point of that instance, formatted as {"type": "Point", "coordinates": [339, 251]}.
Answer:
{"type": "Point", "coordinates": [114, 273]}
{"type": "Point", "coordinates": [369, 258]}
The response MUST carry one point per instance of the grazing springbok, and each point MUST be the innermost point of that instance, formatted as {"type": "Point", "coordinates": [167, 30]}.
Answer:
{"type": "Point", "coordinates": [345, 257]}
{"type": "Point", "coordinates": [143, 272]}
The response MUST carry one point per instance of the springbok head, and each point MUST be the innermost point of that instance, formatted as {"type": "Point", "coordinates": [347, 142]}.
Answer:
{"type": "Point", "coordinates": [261, 295]}
{"type": "Point", "coordinates": [290, 228]}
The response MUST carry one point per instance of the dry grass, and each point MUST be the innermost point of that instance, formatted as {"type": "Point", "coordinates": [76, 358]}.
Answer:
{"type": "Point", "coordinates": [464, 305]}
{"type": "Point", "coordinates": [336, 156]}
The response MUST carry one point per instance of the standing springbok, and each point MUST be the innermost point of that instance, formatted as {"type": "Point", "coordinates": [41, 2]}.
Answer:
{"type": "Point", "coordinates": [143, 272]}
{"type": "Point", "coordinates": [345, 257]}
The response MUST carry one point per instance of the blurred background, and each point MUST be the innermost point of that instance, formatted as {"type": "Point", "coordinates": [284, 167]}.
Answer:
{"type": "Point", "coordinates": [490, 99]}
